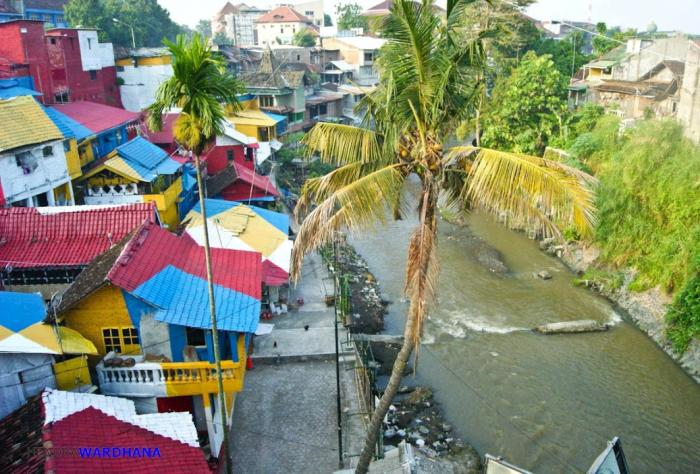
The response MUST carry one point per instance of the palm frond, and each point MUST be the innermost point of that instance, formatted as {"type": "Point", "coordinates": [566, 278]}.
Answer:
{"type": "Point", "coordinates": [528, 190]}
{"type": "Point", "coordinates": [360, 204]}
{"type": "Point", "coordinates": [342, 144]}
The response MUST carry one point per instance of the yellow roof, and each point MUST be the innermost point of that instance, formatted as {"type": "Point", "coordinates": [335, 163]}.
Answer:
{"type": "Point", "coordinates": [251, 117]}
{"type": "Point", "coordinates": [72, 342]}
{"type": "Point", "coordinates": [24, 122]}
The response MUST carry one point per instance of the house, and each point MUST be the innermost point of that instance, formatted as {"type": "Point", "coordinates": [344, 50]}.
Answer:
{"type": "Point", "coordinates": [33, 166]}
{"type": "Point", "coordinates": [237, 23]}
{"type": "Point", "coordinates": [64, 64]}
{"type": "Point", "coordinates": [110, 127]}
{"type": "Point", "coordinates": [280, 25]}
{"type": "Point", "coordinates": [27, 350]}
{"type": "Point", "coordinates": [279, 90]}
{"type": "Point", "coordinates": [46, 11]}
{"type": "Point", "coordinates": [689, 105]}
{"type": "Point", "coordinates": [44, 249]}
{"type": "Point", "coordinates": [137, 171]}
{"type": "Point", "coordinates": [73, 133]}
{"type": "Point", "coordinates": [312, 10]}
{"type": "Point", "coordinates": [324, 106]}
{"type": "Point", "coordinates": [359, 52]}
{"type": "Point", "coordinates": [88, 433]}
{"type": "Point", "coordinates": [254, 122]}
{"type": "Point", "coordinates": [238, 226]}
{"type": "Point", "coordinates": [146, 298]}
{"type": "Point", "coordinates": [352, 97]}
{"type": "Point", "coordinates": [337, 72]}
{"type": "Point", "coordinates": [141, 72]}
{"type": "Point", "coordinates": [82, 68]}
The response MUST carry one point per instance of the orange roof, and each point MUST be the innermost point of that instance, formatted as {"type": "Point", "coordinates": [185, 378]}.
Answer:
{"type": "Point", "coordinates": [283, 15]}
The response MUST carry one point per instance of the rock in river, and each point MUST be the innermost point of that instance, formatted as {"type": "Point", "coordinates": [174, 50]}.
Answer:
{"type": "Point", "coordinates": [571, 327]}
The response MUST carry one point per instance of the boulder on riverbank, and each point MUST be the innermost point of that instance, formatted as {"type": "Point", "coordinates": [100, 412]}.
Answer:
{"type": "Point", "coordinates": [571, 327]}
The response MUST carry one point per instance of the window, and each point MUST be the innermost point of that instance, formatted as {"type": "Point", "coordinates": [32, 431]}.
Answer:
{"type": "Point", "coordinates": [267, 100]}
{"type": "Point", "coordinates": [281, 30]}
{"type": "Point", "coordinates": [309, 13]}
{"type": "Point", "coordinates": [47, 151]}
{"type": "Point", "coordinates": [53, 40]}
{"type": "Point", "coordinates": [249, 154]}
{"type": "Point", "coordinates": [229, 156]}
{"type": "Point", "coordinates": [93, 75]}
{"type": "Point", "coordinates": [110, 337]}
{"type": "Point", "coordinates": [298, 57]}
{"type": "Point", "coordinates": [369, 56]}
{"type": "Point", "coordinates": [123, 340]}
{"type": "Point", "coordinates": [195, 337]}
{"type": "Point", "coordinates": [323, 109]}
{"type": "Point", "coordinates": [66, 146]}
{"type": "Point", "coordinates": [27, 161]}
{"type": "Point", "coordinates": [89, 43]}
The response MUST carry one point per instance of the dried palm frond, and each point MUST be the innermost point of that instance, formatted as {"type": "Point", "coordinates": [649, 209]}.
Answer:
{"type": "Point", "coordinates": [342, 144]}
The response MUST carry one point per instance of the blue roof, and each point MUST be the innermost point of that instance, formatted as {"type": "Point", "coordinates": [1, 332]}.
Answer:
{"type": "Point", "coordinates": [21, 310]}
{"type": "Point", "coordinates": [277, 118]}
{"type": "Point", "coordinates": [68, 127]}
{"type": "Point", "coordinates": [16, 91]}
{"type": "Point", "coordinates": [217, 206]}
{"type": "Point", "coordinates": [147, 159]}
{"type": "Point", "coordinates": [182, 299]}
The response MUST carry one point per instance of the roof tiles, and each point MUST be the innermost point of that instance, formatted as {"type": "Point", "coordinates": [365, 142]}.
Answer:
{"type": "Point", "coordinates": [283, 15]}
{"type": "Point", "coordinates": [65, 236]}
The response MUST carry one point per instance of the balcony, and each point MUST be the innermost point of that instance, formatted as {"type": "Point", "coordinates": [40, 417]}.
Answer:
{"type": "Point", "coordinates": [168, 379]}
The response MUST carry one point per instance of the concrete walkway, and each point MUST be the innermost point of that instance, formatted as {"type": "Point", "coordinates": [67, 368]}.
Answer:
{"type": "Point", "coordinates": [285, 417]}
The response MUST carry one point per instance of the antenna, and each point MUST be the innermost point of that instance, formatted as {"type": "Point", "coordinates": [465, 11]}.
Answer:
{"type": "Point", "coordinates": [590, 12]}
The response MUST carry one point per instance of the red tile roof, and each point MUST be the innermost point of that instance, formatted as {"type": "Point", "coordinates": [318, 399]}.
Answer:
{"type": "Point", "coordinates": [97, 117]}
{"type": "Point", "coordinates": [153, 248]}
{"type": "Point", "coordinates": [65, 237]}
{"type": "Point", "coordinates": [283, 15]}
{"type": "Point", "coordinates": [91, 428]}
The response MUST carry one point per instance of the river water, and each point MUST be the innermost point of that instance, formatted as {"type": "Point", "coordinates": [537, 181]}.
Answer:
{"type": "Point", "coordinates": [545, 403]}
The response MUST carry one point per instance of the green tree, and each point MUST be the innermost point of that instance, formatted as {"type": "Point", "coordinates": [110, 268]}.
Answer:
{"type": "Point", "coordinates": [200, 87]}
{"type": "Point", "coordinates": [567, 54]}
{"type": "Point", "coordinates": [420, 100]}
{"type": "Point", "coordinates": [150, 21]}
{"type": "Point", "coordinates": [204, 28]}
{"type": "Point", "coordinates": [327, 21]}
{"type": "Point", "coordinates": [349, 15]}
{"type": "Point", "coordinates": [528, 108]}
{"type": "Point", "coordinates": [304, 37]}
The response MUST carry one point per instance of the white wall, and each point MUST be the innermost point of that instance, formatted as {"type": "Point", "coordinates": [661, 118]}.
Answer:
{"type": "Point", "coordinates": [141, 84]}
{"type": "Point", "coordinates": [50, 172]}
{"type": "Point", "coordinates": [312, 10]}
{"type": "Point", "coordinates": [689, 106]}
{"type": "Point", "coordinates": [89, 50]}
{"type": "Point", "coordinates": [269, 32]}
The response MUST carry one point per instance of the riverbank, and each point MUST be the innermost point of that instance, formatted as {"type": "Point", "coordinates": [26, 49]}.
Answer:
{"type": "Point", "coordinates": [414, 417]}
{"type": "Point", "coordinates": [647, 309]}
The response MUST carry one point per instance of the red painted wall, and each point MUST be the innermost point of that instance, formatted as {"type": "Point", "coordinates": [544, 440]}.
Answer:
{"type": "Point", "coordinates": [169, 404]}
{"type": "Point", "coordinates": [217, 158]}
{"type": "Point", "coordinates": [23, 42]}
{"type": "Point", "coordinates": [67, 69]}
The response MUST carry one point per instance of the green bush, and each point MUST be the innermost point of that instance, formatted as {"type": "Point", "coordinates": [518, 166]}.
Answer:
{"type": "Point", "coordinates": [684, 315]}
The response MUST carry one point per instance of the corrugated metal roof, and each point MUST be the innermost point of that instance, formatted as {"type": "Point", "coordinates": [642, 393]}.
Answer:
{"type": "Point", "coordinates": [169, 273]}
{"type": "Point", "coordinates": [65, 237]}
{"type": "Point", "coordinates": [22, 330]}
{"type": "Point", "coordinates": [96, 117]}
{"type": "Point", "coordinates": [69, 127]}
{"type": "Point", "coordinates": [147, 159]}
{"type": "Point", "coordinates": [23, 122]}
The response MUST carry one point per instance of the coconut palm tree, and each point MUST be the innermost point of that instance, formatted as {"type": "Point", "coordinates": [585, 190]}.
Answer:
{"type": "Point", "coordinates": [428, 87]}
{"type": "Point", "coordinates": [202, 89]}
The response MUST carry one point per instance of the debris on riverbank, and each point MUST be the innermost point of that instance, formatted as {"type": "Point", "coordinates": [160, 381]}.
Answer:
{"type": "Point", "coordinates": [366, 303]}
{"type": "Point", "coordinates": [571, 327]}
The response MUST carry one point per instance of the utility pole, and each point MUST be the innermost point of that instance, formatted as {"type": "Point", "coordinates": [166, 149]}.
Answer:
{"type": "Point", "coordinates": [133, 37]}
{"type": "Point", "coordinates": [336, 287]}
{"type": "Point", "coordinates": [214, 333]}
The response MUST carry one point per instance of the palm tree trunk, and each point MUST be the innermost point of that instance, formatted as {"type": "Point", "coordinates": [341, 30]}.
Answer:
{"type": "Point", "coordinates": [212, 311]}
{"type": "Point", "coordinates": [392, 387]}
{"type": "Point", "coordinates": [428, 225]}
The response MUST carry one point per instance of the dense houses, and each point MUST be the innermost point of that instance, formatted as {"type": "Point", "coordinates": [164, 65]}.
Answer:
{"type": "Point", "coordinates": [646, 77]}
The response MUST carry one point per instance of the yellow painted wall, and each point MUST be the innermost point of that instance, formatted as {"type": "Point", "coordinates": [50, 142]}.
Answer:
{"type": "Point", "coordinates": [155, 61]}
{"type": "Point", "coordinates": [85, 152]}
{"type": "Point", "coordinates": [103, 308]}
{"type": "Point", "coordinates": [167, 203]}
{"type": "Point", "coordinates": [72, 373]}
{"type": "Point", "coordinates": [73, 159]}
{"type": "Point", "coordinates": [62, 193]}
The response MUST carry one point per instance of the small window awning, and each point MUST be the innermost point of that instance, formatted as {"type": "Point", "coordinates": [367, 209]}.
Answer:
{"type": "Point", "coordinates": [276, 117]}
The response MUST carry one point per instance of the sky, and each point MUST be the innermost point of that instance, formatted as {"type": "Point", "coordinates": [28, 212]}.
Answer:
{"type": "Point", "coordinates": [679, 15]}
